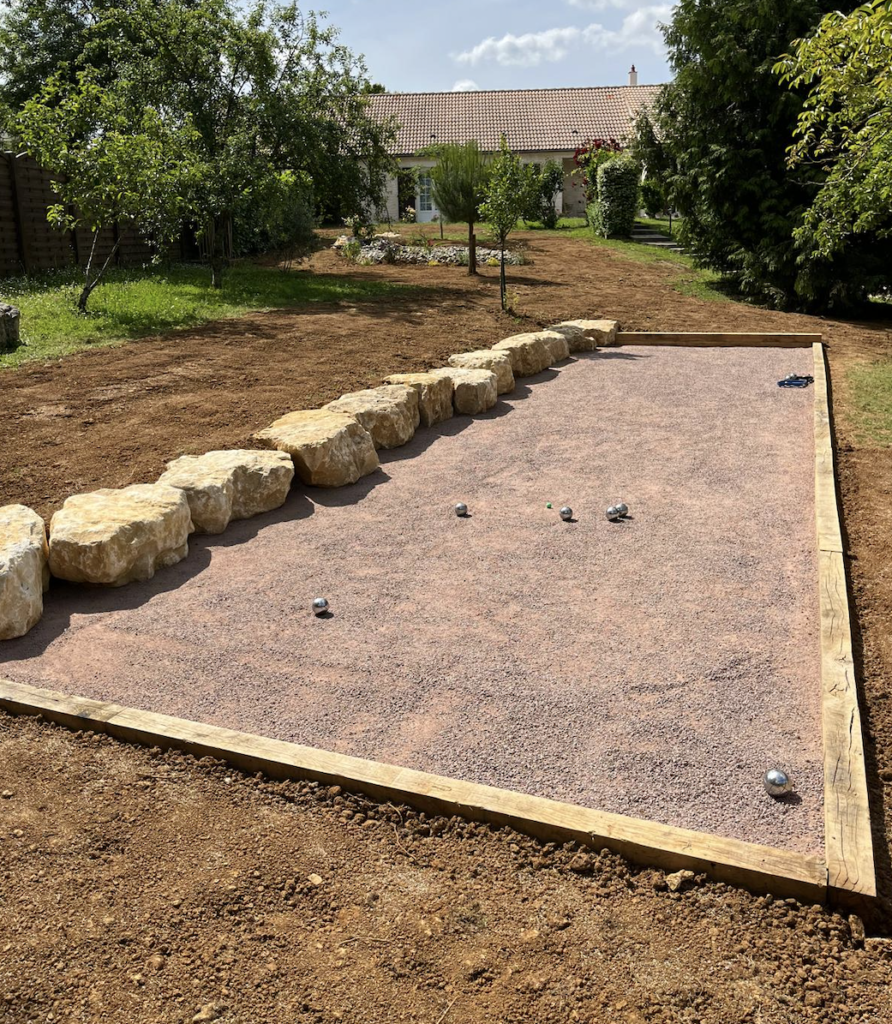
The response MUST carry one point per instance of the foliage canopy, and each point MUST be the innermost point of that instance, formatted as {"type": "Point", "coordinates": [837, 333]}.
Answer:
{"type": "Point", "coordinates": [458, 181]}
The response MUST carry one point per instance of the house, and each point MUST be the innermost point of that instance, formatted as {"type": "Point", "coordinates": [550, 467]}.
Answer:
{"type": "Point", "coordinates": [539, 124]}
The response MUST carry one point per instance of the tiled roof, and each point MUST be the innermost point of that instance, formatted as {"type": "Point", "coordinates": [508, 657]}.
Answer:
{"type": "Point", "coordinates": [532, 119]}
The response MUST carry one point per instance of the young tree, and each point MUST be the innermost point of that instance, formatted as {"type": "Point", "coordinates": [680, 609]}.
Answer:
{"type": "Point", "coordinates": [542, 186]}
{"type": "Point", "coordinates": [504, 200]}
{"type": "Point", "coordinates": [114, 162]}
{"type": "Point", "coordinates": [458, 180]}
{"type": "Point", "coordinates": [722, 128]}
{"type": "Point", "coordinates": [845, 126]}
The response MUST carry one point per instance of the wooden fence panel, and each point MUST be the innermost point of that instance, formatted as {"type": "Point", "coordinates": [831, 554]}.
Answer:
{"type": "Point", "coordinates": [30, 244]}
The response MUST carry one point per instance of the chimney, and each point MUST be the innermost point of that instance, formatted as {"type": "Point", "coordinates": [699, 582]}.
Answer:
{"type": "Point", "coordinates": [633, 76]}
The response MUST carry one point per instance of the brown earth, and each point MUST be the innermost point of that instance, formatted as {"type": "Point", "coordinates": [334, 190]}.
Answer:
{"type": "Point", "coordinates": [142, 887]}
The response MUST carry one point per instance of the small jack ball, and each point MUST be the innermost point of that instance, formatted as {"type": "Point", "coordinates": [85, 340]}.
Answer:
{"type": "Point", "coordinates": [622, 508]}
{"type": "Point", "coordinates": [320, 606]}
{"type": "Point", "coordinates": [613, 513]}
{"type": "Point", "coordinates": [776, 782]}
{"type": "Point", "coordinates": [461, 509]}
{"type": "Point", "coordinates": [566, 513]}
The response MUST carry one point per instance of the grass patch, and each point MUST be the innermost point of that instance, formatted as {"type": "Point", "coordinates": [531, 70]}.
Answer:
{"type": "Point", "coordinates": [871, 385]}
{"type": "Point", "coordinates": [139, 302]}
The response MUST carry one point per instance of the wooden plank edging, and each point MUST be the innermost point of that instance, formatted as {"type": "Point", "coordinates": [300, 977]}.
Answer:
{"type": "Point", "coordinates": [757, 867]}
{"type": "Point", "coordinates": [848, 844]}
{"type": "Point", "coordinates": [726, 339]}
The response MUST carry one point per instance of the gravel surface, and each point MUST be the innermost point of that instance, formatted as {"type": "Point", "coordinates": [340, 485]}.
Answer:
{"type": "Point", "coordinates": [652, 668]}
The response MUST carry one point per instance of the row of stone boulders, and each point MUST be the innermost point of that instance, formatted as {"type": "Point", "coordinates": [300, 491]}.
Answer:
{"type": "Point", "coordinates": [111, 537]}
{"type": "Point", "coordinates": [387, 249]}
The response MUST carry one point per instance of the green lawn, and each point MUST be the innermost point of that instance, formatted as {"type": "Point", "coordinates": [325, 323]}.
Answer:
{"type": "Point", "coordinates": [135, 303]}
{"type": "Point", "coordinates": [872, 397]}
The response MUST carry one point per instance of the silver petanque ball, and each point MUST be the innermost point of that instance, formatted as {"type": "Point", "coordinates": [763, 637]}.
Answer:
{"type": "Point", "coordinates": [566, 513]}
{"type": "Point", "coordinates": [613, 513]}
{"type": "Point", "coordinates": [622, 508]}
{"type": "Point", "coordinates": [320, 606]}
{"type": "Point", "coordinates": [776, 782]}
{"type": "Point", "coordinates": [461, 509]}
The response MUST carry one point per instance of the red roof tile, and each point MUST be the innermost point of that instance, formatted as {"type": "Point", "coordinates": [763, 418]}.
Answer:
{"type": "Point", "coordinates": [532, 119]}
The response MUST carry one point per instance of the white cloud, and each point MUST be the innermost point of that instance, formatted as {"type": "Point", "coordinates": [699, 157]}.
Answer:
{"type": "Point", "coordinates": [599, 5]}
{"type": "Point", "coordinates": [525, 51]}
{"type": "Point", "coordinates": [639, 30]}
{"type": "Point", "coordinates": [465, 85]}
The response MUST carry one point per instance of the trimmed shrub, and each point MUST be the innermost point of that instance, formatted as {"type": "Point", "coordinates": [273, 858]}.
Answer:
{"type": "Point", "coordinates": [617, 202]}
{"type": "Point", "coordinates": [653, 198]}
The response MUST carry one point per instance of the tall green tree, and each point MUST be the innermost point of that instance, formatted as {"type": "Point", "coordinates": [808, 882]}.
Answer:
{"type": "Point", "coordinates": [458, 180]}
{"type": "Point", "coordinates": [113, 162]}
{"type": "Point", "coordinates": [845, 127]}
{"type": "Point", "coordinates": [505, 197]}
{"type": "Point", "coordinates": [720, 133]}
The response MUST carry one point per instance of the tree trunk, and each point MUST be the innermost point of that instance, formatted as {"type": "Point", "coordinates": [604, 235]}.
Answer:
{"type": "Point", "coordinates": [472, 250]}
{"type": "Point", "coordinates": [85, 294]}
{"type": "Point", "coordinates": [216, 272]}
{"type": "Point", "coordinates": [502, 288]}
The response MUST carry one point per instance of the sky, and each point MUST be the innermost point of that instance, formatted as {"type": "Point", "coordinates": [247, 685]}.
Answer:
{"type": "Point", "coordinates": [440, 46]}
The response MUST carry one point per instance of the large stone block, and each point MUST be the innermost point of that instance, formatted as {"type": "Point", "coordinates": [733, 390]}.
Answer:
{"type": "Point", "coordinates": [389, 413]}
{"type": "Point", "coordinates": [473, 391]}
{"type": "Point", "coordinates": [226, 485]}
{"type": "Point", "coordinates": [528, 353]}
{"type": "Point", "coordinates": [557, 345]}
{"type": "Point", "coordinates": [434, 395]}
{"type": "Point", "coordinates": [498, 363]}
{"type": "Point", "coordinates": [329, 449]}
{"type": "Point", "coordinates": [24, 574]}
{"type": "Point", "coordinates": [587, 335]}
{"type": "Point", "coordinates": [113, 537]}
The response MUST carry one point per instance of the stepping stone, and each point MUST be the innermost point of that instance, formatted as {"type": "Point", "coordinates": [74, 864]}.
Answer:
{"type": "Point", "coordinates": [473, 391]}
{"type": "Point", "coordinates": [498, 363]}
{"type": "Point", "coordinates": [329, 449]}
{"type": "Point", "coordinates": [226, 485]}
{"type": "Point", "coordinates": [389, 413]}
{"type": "Point", "coordinates": [24, 575]}
{"type": "Point", "coordinates": [587, 335]}
{"type": "Point", "coordinates": [113, 537]}
{"type": "Point", "coordinates": [434, 395]}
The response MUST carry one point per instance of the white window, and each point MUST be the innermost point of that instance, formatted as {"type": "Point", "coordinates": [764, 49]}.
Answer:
{"type": "Point", "coordinates": [425, 201]}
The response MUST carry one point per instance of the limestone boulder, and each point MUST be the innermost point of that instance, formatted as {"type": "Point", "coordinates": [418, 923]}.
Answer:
{"type": "Point", "coordinates": [434, 395]}
{"type": "Point", "coordinates": [557, 344]}
{"type": "Point", "coordinates": [389, 413]}
{"type": "Point", "coordinates": [498, 363]}
{"type": "Point", "coordinates": [587, 335]}
{"type": "Point", "coordinates": [24, 574]}
{"type": "Point", "coordinates": [329, 449]}
{"type": "Point", "coordinates": [226, 485]}
{"type": "Point", "coordinates": [113, 537]}
{"type": "Point", "coordinates": [528, 353]}
{"type": "Point", "coordinates": [473, 391]}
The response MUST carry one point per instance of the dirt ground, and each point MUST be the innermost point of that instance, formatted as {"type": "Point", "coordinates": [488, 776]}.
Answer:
{"type": "Point", "coordinates": [144, 887]}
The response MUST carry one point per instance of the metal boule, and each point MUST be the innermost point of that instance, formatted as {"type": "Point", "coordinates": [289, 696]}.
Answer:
{"type": "Point", "coordinates": [320, 606]}
{"type": "Point", "coordinates": [566, 513]}
{"type": "Point", "coordinates": [461, 509]}
{"type": "Point", "coordinates": [777, 783]}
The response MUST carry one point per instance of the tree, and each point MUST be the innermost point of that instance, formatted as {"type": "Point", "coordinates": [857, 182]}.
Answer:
{"type": "Point", "coordinates": [264, 91]}
{"type": "Point", "coordinates": [845, 126]}
{"type": "Point", "coordinates": [504, 199]}
{"type": "Point", "coordinates": [113, 162]}
{"type": "Point", "coordinates": [721, 129]}
{"type": "Point", "coordinates": [542, 186]}
{"type": "Point", "coordinates": [616, 202]}
{"type": "Point", "coordinates": [458, 180]}
{"type": "Point", "coordinates": [267, 89]}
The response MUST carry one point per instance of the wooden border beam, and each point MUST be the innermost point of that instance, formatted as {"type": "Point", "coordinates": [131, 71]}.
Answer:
{"type": "Point", "coordinates": [712, 340]}
{"type": "Point", "coordinates": [848, 843]}
{"type": "Point", "coordinates": [757, 867]}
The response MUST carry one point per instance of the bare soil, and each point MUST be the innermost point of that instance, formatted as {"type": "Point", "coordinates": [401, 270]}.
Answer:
{"type": "Point", "coordinates": [145, 887]}
{"type": "Point", "coordinates": [654, 667]}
